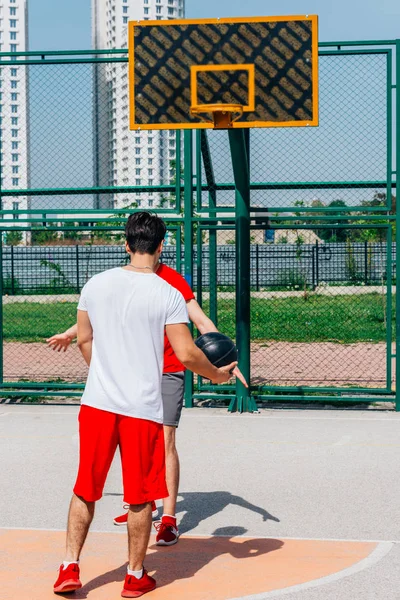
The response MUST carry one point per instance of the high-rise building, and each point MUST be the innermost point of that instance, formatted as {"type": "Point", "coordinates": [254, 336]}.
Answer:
{"type": "Point", "coordinates": [124, 157]}
{"type": "Point", "coordinates": [14, 133]}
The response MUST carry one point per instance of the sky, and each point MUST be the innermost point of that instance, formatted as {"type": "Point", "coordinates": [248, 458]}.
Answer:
{"type": "Point", "coordinates": [65, 24]}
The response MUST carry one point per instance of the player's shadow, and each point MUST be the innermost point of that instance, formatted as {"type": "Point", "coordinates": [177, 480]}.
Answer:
{"type": "Point", "coordinates": [189, 556]}
{"type": "Point", "coordinates": [199, 506]}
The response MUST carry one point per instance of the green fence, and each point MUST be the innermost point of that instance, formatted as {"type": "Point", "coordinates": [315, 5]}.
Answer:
{"type": "Point", "coordinates": [319, 323]}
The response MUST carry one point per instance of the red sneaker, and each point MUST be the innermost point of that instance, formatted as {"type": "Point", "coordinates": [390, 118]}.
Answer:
{"type": "Point", "coordinates": [133, 588]}
{"type": "Point", "coordinates": [167, 531]}
{"type": "Point", "coordinates": [68, 579]}
{"type": "Point", "coordinates": [123, 519]}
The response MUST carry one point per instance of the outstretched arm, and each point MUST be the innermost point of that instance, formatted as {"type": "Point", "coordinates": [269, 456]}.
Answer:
{"type": "Point", "coordinates": [193, 358]}
{"type": "Point", "coordinates": [257, 509]}
{"type": "Point", "coordinates": [61, 341]}
{"type": "Point", "coordinates": [205, 325]}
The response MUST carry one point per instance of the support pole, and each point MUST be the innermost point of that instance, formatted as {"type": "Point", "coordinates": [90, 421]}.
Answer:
{"type": "Point", "coordinates": [1, 311]}
{"type": "Point", "coordinates": [188, 233]}
{"type": "Point", "coordinates": [397, 226]}
{"type": "Point", "coordinates": [239, 142]}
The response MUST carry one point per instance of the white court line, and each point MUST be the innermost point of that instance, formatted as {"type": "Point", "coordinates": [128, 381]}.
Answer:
{"type": "Point", "coordinates": [376, 555]}
{"type": "Point", "coordinates": [121, 530]}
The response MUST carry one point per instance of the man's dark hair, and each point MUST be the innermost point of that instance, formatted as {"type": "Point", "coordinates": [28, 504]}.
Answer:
{"type": "Point", "coordinates": [144, 232]}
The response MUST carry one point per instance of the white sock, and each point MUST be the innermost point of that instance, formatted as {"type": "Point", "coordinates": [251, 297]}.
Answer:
{"type": "Point", "coordinates": [72, 562]}
{"type": "Point", "coordinates": [137, 574]}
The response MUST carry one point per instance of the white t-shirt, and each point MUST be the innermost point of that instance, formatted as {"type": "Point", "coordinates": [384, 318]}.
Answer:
{"type": "Point", "coordinates": [128, 312]}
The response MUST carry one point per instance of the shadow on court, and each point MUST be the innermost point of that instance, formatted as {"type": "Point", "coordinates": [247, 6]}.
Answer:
{"type": "Point", "coordinates": [188, 557]}
{"type": "Point", "coordinates": [199, 506]}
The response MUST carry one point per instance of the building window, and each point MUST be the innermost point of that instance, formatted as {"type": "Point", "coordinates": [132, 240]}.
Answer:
{"type": "Point", "coordinates": [137, 150]}
{"type": "Point", "coordinates": [137, 140]}
{"type": "Point", "coordinates": [151, 203]}
{"type": "Point", "coordinates": [1, 108]}
{"type": "Point", "coordinates": [14, 145]}
{"type": "Point", "coordinates": [139, 202]}
{"type": "Point", "coordinates": [146, 11]}
{"type": "Point", "coordinates": [14, 157]}
{"type": "Point", "coordinates": [137, 161]}
{"type": "Point", "coordinates": [124, 9]}
{"type": "Point", "coordinates": [170, 11]}
{"type": "Point", "coordinates": [150, 161]}
{"type": "Point", "coordinates": [14, 84]}
{"type": "Point", "coordinates": [13, 11]}
{"type": "Point", "coordinates": [14, 72]}
{"type": "Point", "coordinates": [13, 22]}
{"type": "Point", "coordinates": [14, 132]}
{"type": "Point", "coordinates": [138, 182]}
{"type": "Point", "coordinates": [15, 170]}
{"type": "Point", "coordinates": [13, 47]}
{"type": "Point", "coordinates": [172, 153]}
{"type": "Point", "coordinates": [13, 36]}
{"type": "Point", "coordinates": [150, 172]}
{"type": "Point", "coordinates": [14, 96]}
{"type": "Point", "coordinates": [150, 150]}
{"type": "Point", "coordinates": [137, 171]}
{"type": "Point", "coordinates": [125, 20]}
{"type": "Point", "coordinates": [15, 180]}
{"type": "Point", "coordinates": [14, 120]}
{"type": "Point", "coordinates": [150, 182]}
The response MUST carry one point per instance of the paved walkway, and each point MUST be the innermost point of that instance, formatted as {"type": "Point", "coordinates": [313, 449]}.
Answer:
{"type": "Point", "coordinates": [301, 504]}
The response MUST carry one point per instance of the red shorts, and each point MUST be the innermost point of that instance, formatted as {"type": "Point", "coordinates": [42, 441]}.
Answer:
{"type": "Point", "coordinates": [142, 451]}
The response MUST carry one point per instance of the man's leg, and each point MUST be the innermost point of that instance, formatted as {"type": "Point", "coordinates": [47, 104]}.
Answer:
{"type": "Point", "coordinates": [172, 470]}
{"type": "Point", "coordinates": [139, 526]}
{"type": "Point", "coordinates": [79, 519]}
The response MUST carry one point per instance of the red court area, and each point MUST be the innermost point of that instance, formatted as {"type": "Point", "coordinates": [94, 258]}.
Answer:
{"type": "Point", "coordinates": [197, 568]}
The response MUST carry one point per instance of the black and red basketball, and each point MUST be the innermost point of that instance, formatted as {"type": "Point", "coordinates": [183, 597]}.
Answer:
{"type": "Point", "coordinates": [219, 349]}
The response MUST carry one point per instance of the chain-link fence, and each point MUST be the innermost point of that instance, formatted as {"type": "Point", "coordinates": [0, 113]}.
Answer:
{"type": "Point", "coordinates": [323, 251]}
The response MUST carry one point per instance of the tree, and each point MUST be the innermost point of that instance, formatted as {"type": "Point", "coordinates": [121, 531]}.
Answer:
{"type": "Point", "coordinates": [13, 238]}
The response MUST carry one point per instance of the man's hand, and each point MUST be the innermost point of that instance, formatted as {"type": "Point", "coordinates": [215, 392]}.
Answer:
{"type": "Point", "coordinates": [60, 342]}
{"type": "Point", "coordinates": [224, 374]}
{"type": "Point", "coordinates": [238, 373]}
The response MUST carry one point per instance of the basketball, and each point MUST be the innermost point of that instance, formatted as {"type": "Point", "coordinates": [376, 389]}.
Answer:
{"type": "Point", "coordinates": [219, 349]}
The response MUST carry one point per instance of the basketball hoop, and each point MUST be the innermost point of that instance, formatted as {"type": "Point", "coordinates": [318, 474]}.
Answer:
{"type": "Point", "coordinates": [223, 115]}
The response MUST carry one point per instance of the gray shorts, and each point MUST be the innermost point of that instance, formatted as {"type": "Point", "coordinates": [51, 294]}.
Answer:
{"type": "Point", "coordinates": [172, 388]}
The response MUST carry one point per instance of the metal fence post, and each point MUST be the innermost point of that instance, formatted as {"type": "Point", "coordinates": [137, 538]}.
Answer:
{"type": "Point", "coordinates": [188, 233]}
{"type": "Point", "coordinates": [316, 264]}
{"type": "Point", "coordinates": [397, 353]}
{"type": "Point", "coordinates": [77, 269]}
{"type": "Point", "coordinates": [237, 140]}
{"type": "Point", "coordinates": [366, 263]}
{"type": "Point", "coordinates": [1, 312]}
{"type": "Point", "coordinates": [12, 271]}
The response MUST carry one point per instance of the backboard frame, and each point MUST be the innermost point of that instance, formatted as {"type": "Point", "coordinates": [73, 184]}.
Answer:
{"type": "Point", "coordinates": [238, 124]}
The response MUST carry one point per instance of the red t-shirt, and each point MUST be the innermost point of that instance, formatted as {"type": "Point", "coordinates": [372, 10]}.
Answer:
{"type": "Point", "coordinates": [171, 362]}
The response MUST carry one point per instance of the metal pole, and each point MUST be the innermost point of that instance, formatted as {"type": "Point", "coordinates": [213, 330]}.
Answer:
{"type": "Point", "coordinates": [257, 273]}
{"type": "Point", "coordinates": [366, 263]}
{"type": "Point", "coordinates": [78, 289]}
{"type": "Point", "coordinates": [12, 272]}
{"type": "Point", "coordinates": [238, 145]}
{"type": "Point", "coordinates": [188, 233]}
{"type": "Point", "coordinates": [397, 353]}
{"type": "Point", "coordinates": [1, 312]}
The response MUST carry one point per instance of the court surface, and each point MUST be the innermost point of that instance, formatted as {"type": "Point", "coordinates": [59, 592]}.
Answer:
{"type": "Point", "coordinates": [299, 504]}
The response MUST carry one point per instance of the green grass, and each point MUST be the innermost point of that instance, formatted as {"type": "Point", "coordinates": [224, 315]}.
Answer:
{"type": "Point", "coordinates": [343, 319]}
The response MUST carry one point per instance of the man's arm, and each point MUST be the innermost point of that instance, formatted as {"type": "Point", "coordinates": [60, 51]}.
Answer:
{"type": "Point", "coordinates": [194, 359]}
{"type": "Point", "coordinates": [205, 325]}
{"type": "Point", "coordinates": [199, 318]}
{"type": "Point", "coordinates": [61, 341]}
{"type": "Point", "coordinates": [85, 335]}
